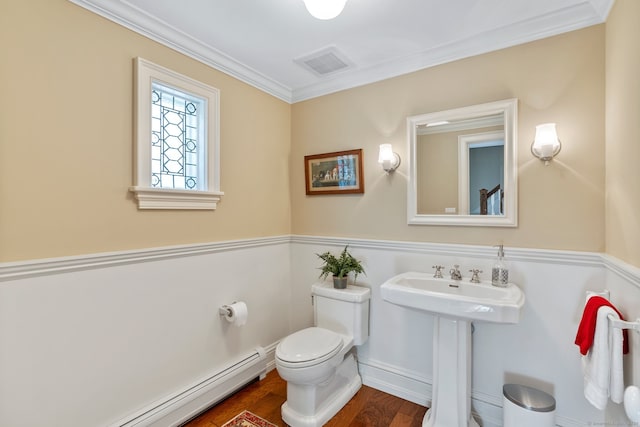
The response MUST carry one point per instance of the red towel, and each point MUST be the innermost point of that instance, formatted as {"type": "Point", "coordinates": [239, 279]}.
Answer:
{"type": "Point", "coordinates": [587, 328]}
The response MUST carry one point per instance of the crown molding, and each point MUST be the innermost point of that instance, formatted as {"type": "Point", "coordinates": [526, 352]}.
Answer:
{"type": "Point", "coordinates": [602, 8]}
{"type": "Point", "coordinates": [571, 18]}
{"type": "Point", "coordinates": [561, 21]}
{"type": "Point", "coordinates": [129, 16]}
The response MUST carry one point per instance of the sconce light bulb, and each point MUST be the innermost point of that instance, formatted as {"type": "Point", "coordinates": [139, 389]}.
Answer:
{"type": "Point", "coordinates": [546, 144]}
{"type": "Point", "coordinates": [388, 158]}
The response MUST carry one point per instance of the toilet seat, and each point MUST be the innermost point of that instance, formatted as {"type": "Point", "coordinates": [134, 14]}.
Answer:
{"type": "Point", "coordinates": [308, 347]}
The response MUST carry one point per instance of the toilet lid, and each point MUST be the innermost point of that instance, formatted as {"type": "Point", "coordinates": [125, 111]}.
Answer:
{"type": "Point", "coordinates": [309, 345]}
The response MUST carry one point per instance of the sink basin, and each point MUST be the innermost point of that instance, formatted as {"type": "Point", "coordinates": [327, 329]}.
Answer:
{"type": "Point", "coordinates": [459, 299]}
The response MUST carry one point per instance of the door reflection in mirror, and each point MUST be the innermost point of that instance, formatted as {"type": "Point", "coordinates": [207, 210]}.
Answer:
{"type": "Point", "coordinates": [486, 173]}
{"type": "Point", "coordinates": [457, 159]}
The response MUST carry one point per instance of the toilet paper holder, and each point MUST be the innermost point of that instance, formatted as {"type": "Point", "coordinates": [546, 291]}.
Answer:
{"type": "Point", "coordinates": [225, 310]}
{"type": "Point", "coordinates": [234, 313]}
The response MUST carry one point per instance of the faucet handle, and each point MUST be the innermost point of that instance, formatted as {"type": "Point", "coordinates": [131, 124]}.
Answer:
{"type": "Point", "coordinates": [474, 275]}
{"type": "Point", "coordinates": [455, 272]}
{"type": "Point", "coordinates": [438, 273]}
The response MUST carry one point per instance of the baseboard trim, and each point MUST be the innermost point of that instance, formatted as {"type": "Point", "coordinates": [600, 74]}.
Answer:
{"type": "Point", "coordinates": [412, 386]}
{"type": "Point", "coordinates": [416, 388]}
{"type": "Point", "coordinates": [184, 405]}
{"type": "Point", "coordinates": [270, 355]}
{"type": "Point", "coordinates": [396, 381]}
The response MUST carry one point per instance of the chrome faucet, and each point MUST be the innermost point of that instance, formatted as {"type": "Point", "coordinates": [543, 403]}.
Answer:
{"type": "Point", "coordinates": [438, 273]}
{"type": "Point", "coordinates": [455, 273]}
{"type": "Point", "coordinates": [474, 275]}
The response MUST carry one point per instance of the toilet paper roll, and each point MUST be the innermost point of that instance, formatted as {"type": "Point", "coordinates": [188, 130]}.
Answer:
{"type": "Point", "coordinates": [237, 313]}
{"type": "Point", "coordinates": [632, 403]}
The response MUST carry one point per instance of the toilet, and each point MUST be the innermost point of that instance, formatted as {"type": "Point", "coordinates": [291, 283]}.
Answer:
{"type": "Point", "coordinates": [318, 363]}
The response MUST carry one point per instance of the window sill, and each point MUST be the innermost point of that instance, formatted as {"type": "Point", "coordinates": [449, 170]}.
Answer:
{"type": "Point", "coordinates": [161, 198]}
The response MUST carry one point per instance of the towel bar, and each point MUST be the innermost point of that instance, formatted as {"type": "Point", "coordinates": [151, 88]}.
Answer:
{"type": "Point", "coordinates": [604, 294]}
{"type": "Point", "coordinates": [623, 324]}
{"type": "Point", "coordinates": [617, 323]}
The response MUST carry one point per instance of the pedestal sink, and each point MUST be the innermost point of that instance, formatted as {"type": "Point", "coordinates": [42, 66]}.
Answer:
{"type": "Point", "coordinates": [454, 304]}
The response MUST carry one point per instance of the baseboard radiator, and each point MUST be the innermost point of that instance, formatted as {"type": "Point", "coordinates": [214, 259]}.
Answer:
{"type": "Point", "coordinates": [182, 406]}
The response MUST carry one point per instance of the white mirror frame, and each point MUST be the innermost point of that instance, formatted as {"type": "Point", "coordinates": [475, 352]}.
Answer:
{"type": "Point", "coordinates": [509, 108]}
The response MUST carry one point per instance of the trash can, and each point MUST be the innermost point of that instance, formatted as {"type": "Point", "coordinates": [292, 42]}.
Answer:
{"type": "Point", "coordinates": [527, 407]}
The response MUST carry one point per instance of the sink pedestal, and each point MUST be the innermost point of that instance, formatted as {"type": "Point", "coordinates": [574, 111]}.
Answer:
{"type": "Point", "coordinates": [454, 304]}
{"type": "Point", "coordinates": [452, 299]}
{"type": "Point", "coordinates": [451, 402]}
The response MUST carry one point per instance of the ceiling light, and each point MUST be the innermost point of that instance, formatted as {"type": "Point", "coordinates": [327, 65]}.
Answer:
{"type": "Point", "coordinates": [325, 9]}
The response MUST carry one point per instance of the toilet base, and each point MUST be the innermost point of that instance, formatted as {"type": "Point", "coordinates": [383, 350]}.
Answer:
{"type": "Point", "coordinates": [314, 406]}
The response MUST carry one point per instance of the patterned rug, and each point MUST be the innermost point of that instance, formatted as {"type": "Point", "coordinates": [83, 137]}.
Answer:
{"type": "Point", "coordinates": [248, 419]}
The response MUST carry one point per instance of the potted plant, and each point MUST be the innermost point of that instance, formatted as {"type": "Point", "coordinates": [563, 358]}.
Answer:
{"type": "Point", "coordinates": [340, 267]}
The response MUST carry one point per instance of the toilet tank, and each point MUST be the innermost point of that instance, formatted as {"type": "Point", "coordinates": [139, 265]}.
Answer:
{"type": "Point", "coordinates": [345, 311]}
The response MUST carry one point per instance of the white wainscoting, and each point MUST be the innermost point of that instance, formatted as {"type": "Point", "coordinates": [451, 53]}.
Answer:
{"type": "Point", "coordinates": [539, 351]}
{"type": "Point", "coordinates": [97, 340]}
{"type": "Point", "coordinates": [93, 340]}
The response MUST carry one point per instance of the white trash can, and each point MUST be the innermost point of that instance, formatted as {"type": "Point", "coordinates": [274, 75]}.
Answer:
{"type": "Point", "coordinates": [527, 407]}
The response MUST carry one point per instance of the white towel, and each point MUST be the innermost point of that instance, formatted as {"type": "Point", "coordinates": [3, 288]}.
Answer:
{"type": "Point", "coordinates": [616, 388]}
{"type": "Point", "coordinates": [602, 365]}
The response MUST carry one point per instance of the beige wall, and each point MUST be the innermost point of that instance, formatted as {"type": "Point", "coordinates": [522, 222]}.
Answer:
{"type": "Point", "coordinates": [437, 180]}
{"type": "Point", "coordinates": [623, 132]}
{"type": "Point", "coordinates": [558, 79]}
{"type": "Point", "coordinates": [437, 170]}
{"type": "Point", "coordinates": [66, 142]}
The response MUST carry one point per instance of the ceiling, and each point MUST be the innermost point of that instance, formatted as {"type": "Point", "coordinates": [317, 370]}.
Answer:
{"type": "Point", "coordinates": [261, 42]}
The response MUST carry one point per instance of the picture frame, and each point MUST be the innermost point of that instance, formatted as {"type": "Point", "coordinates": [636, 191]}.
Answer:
{"type": "Point", "coordinates": [339, 172]}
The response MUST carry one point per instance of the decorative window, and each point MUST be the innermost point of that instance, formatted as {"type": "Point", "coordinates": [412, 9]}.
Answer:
{"type": "Point", "coordinates": [176, 140]}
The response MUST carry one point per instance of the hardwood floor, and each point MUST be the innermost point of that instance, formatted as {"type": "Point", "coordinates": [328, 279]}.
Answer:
{"type": "Point", "coordinates": [368, 408]}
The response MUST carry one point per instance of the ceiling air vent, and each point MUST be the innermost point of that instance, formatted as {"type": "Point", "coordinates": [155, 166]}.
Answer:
{"type": "Point", "coordinates": [325, 61]}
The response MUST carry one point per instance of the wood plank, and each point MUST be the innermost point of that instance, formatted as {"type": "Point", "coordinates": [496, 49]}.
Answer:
{"type": "Point", "coordinates": [368, 408]}
{"type": "Point", "coordinates": [379, 411]}
{"type": "Point", "coordinates": [348, 414]}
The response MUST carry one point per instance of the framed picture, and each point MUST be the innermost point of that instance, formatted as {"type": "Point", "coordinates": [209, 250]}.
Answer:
{"type": "Point", "coordinates": [334, 173]}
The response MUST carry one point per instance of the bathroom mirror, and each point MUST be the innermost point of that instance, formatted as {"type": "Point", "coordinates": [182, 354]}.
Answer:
{"type": "Point", "coordinates": [463, 166]}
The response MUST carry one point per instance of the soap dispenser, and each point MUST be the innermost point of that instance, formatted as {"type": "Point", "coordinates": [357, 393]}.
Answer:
{"type": "Point", "coordinates": [500, 272]}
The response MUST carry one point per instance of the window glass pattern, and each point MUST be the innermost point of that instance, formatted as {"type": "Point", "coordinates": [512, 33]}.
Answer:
{"type": "Point", "coordinates": [177, 136]}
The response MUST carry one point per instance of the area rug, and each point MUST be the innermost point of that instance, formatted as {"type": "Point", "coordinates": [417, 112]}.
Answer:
{"type": "Point", "coordinates": [248, 419]}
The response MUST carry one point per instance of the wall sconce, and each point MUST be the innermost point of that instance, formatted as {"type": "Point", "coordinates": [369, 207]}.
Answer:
{"type": "Point", "coordinates": [389, 159]}
{"type": "Point", "coordinates": [546, 144]}
{"type": "Point", "coordinates": [325, 9]}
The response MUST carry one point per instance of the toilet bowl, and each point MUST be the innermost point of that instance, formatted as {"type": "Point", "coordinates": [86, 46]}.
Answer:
{"type": "Point", "coordinates": [318, 363]}
{"type": "Point", "coordinates": [310, 356]}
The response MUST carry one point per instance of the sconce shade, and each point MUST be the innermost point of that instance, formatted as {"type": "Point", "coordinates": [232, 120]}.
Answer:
{"type": "Point", "coordinates": [389, 160]}
{"type": "Point", "coordinates": [386, 153]}
{"type": "Point", "coordinates": [546, 144]}
{"type": "Point", "coordinates": [325, 9]}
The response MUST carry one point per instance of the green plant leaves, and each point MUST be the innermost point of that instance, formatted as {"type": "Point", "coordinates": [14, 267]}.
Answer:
{"type": "Point", "coordinates": [340, 266]}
